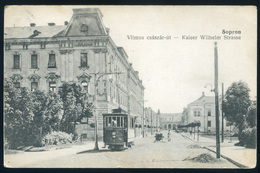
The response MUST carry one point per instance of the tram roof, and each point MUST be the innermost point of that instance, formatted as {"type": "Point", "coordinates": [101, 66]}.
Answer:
{"type": "Point", "coordinates": [115, 114]}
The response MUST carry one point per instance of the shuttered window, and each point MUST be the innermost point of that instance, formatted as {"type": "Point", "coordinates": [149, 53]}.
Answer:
{"type": "Point", "coordinates": [84, 60]}
{"type": "Point", "coordinates": [52, 61]}
{"type": "Point", "coordinates": [16, 61]}
{"type": "Point", "coordinates": [34, 62]}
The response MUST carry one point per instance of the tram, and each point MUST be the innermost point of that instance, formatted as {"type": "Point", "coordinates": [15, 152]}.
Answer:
{"type": "Point", "coordinates": [116, 131]}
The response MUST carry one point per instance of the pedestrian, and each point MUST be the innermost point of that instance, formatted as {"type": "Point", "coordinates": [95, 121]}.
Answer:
{"type": "Point", "coordinates": [169, 135]}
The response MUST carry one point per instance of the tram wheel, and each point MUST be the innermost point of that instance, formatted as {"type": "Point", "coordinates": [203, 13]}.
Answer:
{"type": "Point", "coordinates": [118, 147]}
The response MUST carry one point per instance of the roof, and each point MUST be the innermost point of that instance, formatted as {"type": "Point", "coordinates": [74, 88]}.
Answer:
{"type": "Point", "coordinates": [28, 32]}
{"type": "Point", "coordinates": [122, 51]}
{"type": "Point", "coordinates": [204, 99]}
{"type": "Point", "coordinates": [170, 115]}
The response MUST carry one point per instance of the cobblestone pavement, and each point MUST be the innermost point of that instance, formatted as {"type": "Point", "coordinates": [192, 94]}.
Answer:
{"type": "Point", "coordinates": [146, 153]}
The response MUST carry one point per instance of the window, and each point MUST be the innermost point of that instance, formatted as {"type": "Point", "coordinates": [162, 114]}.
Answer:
{"type": "Point", "coordinates": [209, 123]}
{"type": "Point", "coordinates": [198, 113]}
{"type": "Point", "coordinates": [195, 113]}
{"type": "Point", "coordinates": [52, 86]}
{"type": "Point", "coordinates": [52, 61]}
{"type": "Point", "coordinates": [16, 61]}
{"type": "Point", "coordinates": [16, 85]}
{"type": "Point", "coordinates": [34, 86]}
{"type": "Point", "coordinates": [84, 60]}
{"type": "Point", "coordinates": [105, 85]}
{"type": "Point", "coordinates": [209, 113]}
{"type": "Point", "coordinates": [85, 85]}
{"type": "Point", "coordinates": [132, 122]}
{"type": "Point", "coordinates": [34, 62]}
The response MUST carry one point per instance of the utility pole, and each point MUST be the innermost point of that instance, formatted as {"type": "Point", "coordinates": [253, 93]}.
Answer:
{"type": "Point", "coordinates": [151, 121]}
{"type": "Point", "coordinates": [216, 101]}
{"type": "Point", "coordinates": [143, 120]}
{"type": "Point", "coordinates": [96, 113]}
{"type": "Point", "coordinates": [222, 113]}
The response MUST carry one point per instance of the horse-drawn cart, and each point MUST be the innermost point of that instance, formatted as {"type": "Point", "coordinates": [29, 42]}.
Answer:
{"type": "Point", "coordinates": [158, 137]}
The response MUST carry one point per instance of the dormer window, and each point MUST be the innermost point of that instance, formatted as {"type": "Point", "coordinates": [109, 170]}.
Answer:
{"type": "Point", "coordinates": [84, 28]}
{"type": "Point", "coordinates": [35, 32]}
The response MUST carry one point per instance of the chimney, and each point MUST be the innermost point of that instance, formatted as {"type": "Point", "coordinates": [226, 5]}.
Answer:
{"type": "Point", "coordinates": [66, 23]}
{"type": "Point", "coordinates": [51, 24]}
{"type": "Point", "coordinates": [32, 24]}
{"type": "Point", "coordinates": [107, 30]}
{"type": "Point", "coordinates": [203, 94]}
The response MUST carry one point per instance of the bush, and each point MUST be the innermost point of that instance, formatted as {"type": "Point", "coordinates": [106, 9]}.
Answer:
{"type": "Point", "coordinates": [55, 138]}
{"type": "Point", "coordinates": [249, 136]}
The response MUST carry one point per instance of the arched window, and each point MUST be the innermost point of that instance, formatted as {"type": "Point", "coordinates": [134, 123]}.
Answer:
{"type": "Point", "coordinates": [52, 86]}
{"type": "Point", "coordinates": [195, 113]}
{"type": "Point", "coordinates": [16, 80]}
{"type": "Point", "coordinates": [52, 79]}
{"type": "Point", "coordinates": [85, 85]}
{"type": "Point", "coordinates": [34, 78]}
{"type": "Point", "coordinates": [198, 113]}
{"type": "Point", "coordinates": [209, 113]}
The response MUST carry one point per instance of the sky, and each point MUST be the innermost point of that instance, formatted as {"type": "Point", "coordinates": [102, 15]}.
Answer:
{"type": "Point", "coordinates": [174, 71]}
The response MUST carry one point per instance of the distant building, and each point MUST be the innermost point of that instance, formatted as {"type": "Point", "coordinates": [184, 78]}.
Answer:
{"type": "Point", "coordinates": [169, 121]}
{"type": "Point", "coordinates": [44, 57]}
{"type": "Point", "coordinates": [151, 120]}
{"type": "Point", "coordinates": [203, 110]}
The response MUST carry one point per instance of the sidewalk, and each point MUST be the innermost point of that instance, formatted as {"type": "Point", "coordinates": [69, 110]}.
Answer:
{"type": "Point", "coordinates": [241, 156]}
{"type": "Point", "coordinates": [20, 160]}
{"type": "Point", "coordinates": [24, 159]}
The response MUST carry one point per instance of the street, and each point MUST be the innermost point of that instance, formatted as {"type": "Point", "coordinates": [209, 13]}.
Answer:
{"type": "Point", "coordinates": [144, 154]}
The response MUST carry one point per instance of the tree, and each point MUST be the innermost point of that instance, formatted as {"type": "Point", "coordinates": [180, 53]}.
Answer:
{"type": "Point", "coordinates": [47, 113]}
{"type": "Point", "coordinates": [29, 115]}
{"type": "Point", "coordinates": [249, 133]}
{"type": "Point", "coordinates": [18, 117]}
{"type": "Point", "coordinates": [75, 106]}
{"type": "Point", "coordinates": [236, 104]}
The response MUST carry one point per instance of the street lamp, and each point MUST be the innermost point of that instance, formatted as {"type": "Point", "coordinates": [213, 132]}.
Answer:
{"type": "Point", "coordinates": [96, 79]}
{"type": "Point", "coordinates": [211, 90]}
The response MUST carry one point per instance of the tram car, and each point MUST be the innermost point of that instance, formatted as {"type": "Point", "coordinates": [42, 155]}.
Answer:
{"type": "Point", "coordinates": [116, 131]}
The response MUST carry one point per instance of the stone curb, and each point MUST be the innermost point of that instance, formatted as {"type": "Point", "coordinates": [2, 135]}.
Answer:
{"type": "Point", "coordinates": [228, 159]}
{"type": "Point", "coordinates": [223, 156]}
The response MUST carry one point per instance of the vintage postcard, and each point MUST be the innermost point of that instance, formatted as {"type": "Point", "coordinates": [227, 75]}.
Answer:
{"type": "Point", "coordinates": [130, 86]}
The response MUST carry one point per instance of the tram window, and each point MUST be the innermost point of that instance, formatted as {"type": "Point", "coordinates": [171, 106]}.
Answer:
{"type": "Point", "coordinates": [109, 122]}
{"type": "Point", "coordinates": [114, 122]}
{"type": "Point", "coordinates": [125, 121]}
{"type": "Point", "coordinates": [122, 121]}
{"type": "Point", "coordinates": [118, 121]}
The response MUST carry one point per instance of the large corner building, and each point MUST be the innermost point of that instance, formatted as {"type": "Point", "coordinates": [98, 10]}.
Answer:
{"type": "Point", "coordinates": [44, 57]}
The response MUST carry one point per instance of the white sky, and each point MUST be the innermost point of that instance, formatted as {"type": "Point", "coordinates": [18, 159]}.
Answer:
{"type": "Point", "coordinates": [174, 72]}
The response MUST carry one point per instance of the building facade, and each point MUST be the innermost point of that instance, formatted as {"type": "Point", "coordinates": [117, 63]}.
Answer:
{"type": "Point", "coordinates": [203, 110]}
{"type": "Point", "coordinates": [169, 121]}
{"type": "Point", "coordinates": [44, 57]}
